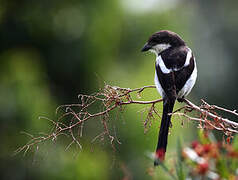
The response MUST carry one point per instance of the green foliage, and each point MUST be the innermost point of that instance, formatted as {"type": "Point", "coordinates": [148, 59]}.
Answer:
{"type": "Point", "coordinates": [53, 50]}
{"type": "Point", "coordinates": [179, 165]}
{"type": "Point", "coordinates": [207, 158]}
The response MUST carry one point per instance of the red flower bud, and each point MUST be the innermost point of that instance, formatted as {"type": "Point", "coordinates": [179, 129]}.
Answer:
{"type": "Point", "coordinates": [203, 168]}
{"type": "Point", "coordinates": [207, 148]}
{"type": "Point", "coordinates": [194, 144]}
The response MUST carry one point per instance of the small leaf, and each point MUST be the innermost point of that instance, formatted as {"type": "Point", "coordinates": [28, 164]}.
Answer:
{"type": "Point", "coordinates": [166, 169]}
{"type": "Point", "coordinates": [235, 143]}
{"type": "Point", "coordinates": [222, 168]}
{"type": "Point", "coordinates": [179, 166]}
{"type": "Point", "coordinates": [203, 136]}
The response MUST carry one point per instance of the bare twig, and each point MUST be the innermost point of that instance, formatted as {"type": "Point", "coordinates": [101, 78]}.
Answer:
{"type": "Point", "coordinates": [208, 113]}
{"type": "Point", "coordinates": [110, 98]}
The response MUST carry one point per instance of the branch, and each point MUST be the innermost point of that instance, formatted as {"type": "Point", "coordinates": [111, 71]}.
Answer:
{"type": "Point", "coordinates": [75, 116]}
{"type": "Point", "coordinates": [218, 121]}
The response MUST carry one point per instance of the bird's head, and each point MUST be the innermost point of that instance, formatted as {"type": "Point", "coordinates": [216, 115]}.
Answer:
{"type": "Point", "coordinates": [161, 41]}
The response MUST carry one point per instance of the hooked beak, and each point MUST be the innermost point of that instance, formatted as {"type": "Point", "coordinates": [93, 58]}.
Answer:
{"type": "Point", "coordinates": [146, 47]}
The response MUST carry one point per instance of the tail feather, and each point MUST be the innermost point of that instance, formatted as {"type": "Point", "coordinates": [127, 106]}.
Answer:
{"type": "Point", "coordinates": [164, 130]}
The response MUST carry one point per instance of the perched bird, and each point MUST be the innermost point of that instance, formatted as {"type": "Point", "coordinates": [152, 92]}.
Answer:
{"type": "Point", "coordinates": [175, 76]}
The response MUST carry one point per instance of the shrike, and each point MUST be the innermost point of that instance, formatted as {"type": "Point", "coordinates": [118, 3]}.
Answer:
{"type": "Point", "coordinates": [175, 76]}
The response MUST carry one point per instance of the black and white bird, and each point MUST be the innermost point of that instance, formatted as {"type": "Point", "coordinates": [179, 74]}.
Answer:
{"type": "Point", "coordinates": [175, 76]}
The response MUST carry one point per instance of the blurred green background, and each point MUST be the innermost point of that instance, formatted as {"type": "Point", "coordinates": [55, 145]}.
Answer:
{"type": "Point", "coordinates": [50, 51]}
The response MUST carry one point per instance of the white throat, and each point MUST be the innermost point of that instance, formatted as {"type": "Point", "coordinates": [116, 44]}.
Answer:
{"type": "Point", "coordinates": [159, 48]}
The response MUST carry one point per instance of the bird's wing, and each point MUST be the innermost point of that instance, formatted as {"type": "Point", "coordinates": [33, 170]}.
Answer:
{"type": "Point", "coordinates": [167, 82]}
{"type": "Point", "coordinates": [183, 75]}
{"type": "Point", "coordinates": [175, 58]}
{"type": "Point", "coordinates": [176, 70]}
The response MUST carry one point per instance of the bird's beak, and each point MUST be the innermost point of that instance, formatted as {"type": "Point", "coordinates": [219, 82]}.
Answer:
{"type": "Point", "coordinates": [146, 47]}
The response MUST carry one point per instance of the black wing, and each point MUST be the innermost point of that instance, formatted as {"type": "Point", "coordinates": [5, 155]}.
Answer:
{"type": "Point", "coordinates": [174, 58]}
{"type": "Point", "coordinates": [174, 81]}
{"type": "Point", "coordinates": [183, 75]}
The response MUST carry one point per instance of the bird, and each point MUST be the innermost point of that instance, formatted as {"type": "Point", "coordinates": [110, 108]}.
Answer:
{"type": "Point", "coordinates": [175, 76]}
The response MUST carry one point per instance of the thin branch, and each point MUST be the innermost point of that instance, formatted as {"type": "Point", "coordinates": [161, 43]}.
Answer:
{"type": "Point", "coordinates": [195, 107]}
{"type": "Point", "coordinates": [234, 112]}
{"type": "Point", "coordinates": [113, 97]}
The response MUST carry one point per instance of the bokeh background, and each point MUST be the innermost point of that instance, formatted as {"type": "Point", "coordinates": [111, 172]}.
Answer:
{"type": "Point", "coordinates": [50, 51]}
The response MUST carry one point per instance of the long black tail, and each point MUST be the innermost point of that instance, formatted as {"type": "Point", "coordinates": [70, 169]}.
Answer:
{"type": "Point", "coordinates": [168, 105]}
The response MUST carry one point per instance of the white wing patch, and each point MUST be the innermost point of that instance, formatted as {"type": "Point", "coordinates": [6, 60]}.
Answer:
{"type": "Point", "coordinates": [158, 86]}
{"type": "Point", "coordinates": [190, 83]}
{"type": "Point", "coordinates": [188, 57]}
{"type": "Point", "coordinates": [160, 63]}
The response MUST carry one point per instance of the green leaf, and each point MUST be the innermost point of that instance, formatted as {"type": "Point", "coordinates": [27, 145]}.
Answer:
{"type": "Point", "coordinates": [235, 143]}
{"type": "Point", "coordinates": [202, 137]}
{"type": "Point", "coordinates": [179, 165]}
{"type": "Point", "coordinates": [166, 169]}
{"type": "Point", "coordinates": [222, 168]}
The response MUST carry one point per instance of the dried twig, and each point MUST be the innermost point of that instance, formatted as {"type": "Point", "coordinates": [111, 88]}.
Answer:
{"type": "Point", "coordinates": [111, 98]}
